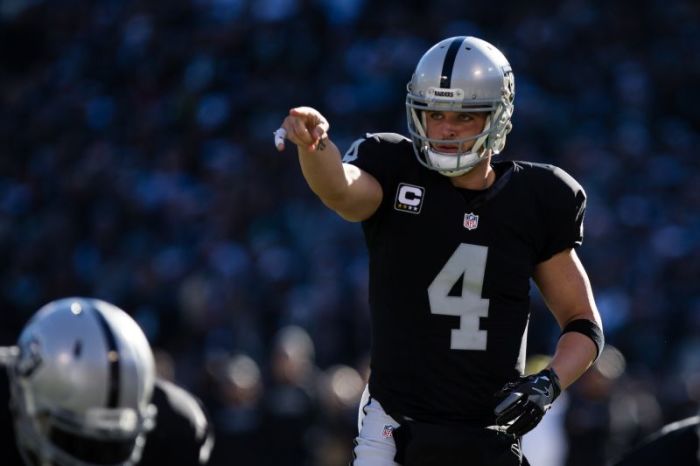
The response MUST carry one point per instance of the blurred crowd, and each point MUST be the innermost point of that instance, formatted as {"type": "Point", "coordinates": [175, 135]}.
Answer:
{"type": "Point", "coordinates": [137, 166]}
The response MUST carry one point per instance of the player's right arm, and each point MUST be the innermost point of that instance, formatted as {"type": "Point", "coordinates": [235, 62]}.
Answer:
{"type": "Point", "coordinates": [348, 190]}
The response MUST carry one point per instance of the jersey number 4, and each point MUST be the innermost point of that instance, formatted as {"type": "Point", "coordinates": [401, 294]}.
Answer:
{"type": "Point", "coordinates": [467, 264]}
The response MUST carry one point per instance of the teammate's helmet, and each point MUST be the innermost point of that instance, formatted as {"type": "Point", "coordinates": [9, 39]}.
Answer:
{"type": "Point", "coordinates": [82, 383]}
{"type": "Point", "coordinates": [460, 74]}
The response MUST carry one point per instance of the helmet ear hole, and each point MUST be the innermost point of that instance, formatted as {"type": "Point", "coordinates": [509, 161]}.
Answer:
{"type": "Point", "coordinates": [90, 450]}
{"type": "Point", "coordinates": [77, 349]}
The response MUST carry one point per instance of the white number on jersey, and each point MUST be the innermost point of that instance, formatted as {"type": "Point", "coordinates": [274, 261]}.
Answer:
{"type": "Point", "coordinates": [467, 263]}
{"type": "Point", "coordinates": [351, 153]}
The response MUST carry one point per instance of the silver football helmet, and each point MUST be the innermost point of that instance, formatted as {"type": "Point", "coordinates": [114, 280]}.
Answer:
{"type": "Point", "coordinates": [460, 74]}
{"type": "Point", "coordinates": [82, 380]}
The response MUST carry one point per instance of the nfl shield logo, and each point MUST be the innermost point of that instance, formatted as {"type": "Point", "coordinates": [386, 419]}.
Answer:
{"type": "Point", "coordinates": [388, 431]}
{"type": "Point", "coordinates": [471, 221]}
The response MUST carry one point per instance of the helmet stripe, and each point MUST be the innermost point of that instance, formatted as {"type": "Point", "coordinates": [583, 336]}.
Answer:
{"type": "Point", "coordinates": [449, 63]}
{"type": "Point", "coordinates": [113, 360]}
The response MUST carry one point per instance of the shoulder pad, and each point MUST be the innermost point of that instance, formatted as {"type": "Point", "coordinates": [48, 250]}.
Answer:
{"type": "Point", "coordinates": [552, 177]}
{"type": "Point", "coordinates": [373, 139]}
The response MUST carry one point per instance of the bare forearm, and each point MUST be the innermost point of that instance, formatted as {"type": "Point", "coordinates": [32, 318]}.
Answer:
{"type": "Point", "coordinates": [564, 284]}
{"type": "Point", "coordinates": [574, 354]}
{"type": "Point", "coordinates": [346, 189]}
{"type": "Point", "coordinates": [323, 170]}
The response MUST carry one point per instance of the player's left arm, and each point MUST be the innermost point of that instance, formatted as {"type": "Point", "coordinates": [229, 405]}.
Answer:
{"type": "Point", "coordinates": [564, 285]}
{"type": "Point", "coordinates": [563, 282]}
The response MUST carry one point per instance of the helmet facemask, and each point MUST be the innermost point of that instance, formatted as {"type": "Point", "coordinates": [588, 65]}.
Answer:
{"type": "Point", "coordinates": [102, 437]}
{"type": "Point", "coordinates": [480, 81]}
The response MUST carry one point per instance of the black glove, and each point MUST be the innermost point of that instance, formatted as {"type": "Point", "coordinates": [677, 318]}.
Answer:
{"type": "Point", "coordinates": [522, 403]}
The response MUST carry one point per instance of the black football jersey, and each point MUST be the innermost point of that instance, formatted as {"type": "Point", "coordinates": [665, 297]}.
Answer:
{"type": "Point", "coordinates": [677, 443]}
{"type": "Point", "coordinates": [449, 277]}
{"type": "Point", "coordinates": [8, 451]}
{"type": "Point", "coordinates": [183, 434]}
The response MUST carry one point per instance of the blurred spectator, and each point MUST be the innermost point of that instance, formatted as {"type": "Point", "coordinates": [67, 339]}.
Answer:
{"type": "Point", "coordinates": [606, 411]}
{"type": "Point", "coordinates": [340, 390]}
{"type": "Point", "coordinates": [238, 389]}
{"type": "Point", "coordinates": [291, 402]}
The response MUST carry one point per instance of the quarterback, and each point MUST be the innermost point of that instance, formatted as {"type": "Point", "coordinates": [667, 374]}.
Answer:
{"type": "Point", "coordinates": [454, 238]}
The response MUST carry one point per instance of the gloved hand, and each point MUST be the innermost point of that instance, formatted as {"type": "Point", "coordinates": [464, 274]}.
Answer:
{"type": "Point", "coordinates": [522, 403]}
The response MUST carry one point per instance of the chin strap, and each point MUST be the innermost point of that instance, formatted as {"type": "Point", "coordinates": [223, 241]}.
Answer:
{"type": "Point", "coordinates": [431, 155]}
{"type": "Point", "coordinates": [476, 153]}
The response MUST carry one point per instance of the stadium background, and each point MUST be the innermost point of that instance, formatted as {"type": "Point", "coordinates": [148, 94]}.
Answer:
{"type": "Point", "coordinates": [137, 165]}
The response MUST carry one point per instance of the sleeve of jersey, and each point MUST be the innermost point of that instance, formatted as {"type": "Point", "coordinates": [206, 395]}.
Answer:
{"type": "Point", "coordinates": [183, 435]}
{"type": "Point", "coordinates": [370, 153]}
{"type": "Point", "coordinates": [565, 207]}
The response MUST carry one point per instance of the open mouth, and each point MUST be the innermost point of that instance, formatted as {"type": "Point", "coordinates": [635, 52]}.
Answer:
{"type": "Point", "coordinates": [447, 148]}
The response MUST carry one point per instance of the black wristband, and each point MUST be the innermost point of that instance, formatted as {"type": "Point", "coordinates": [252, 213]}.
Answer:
{"type": "Point", "coordinates": [590, 329]}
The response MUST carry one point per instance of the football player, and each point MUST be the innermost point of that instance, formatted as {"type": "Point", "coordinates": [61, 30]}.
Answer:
{"type": "Point", "coordinates": [80, 389]}
{"type": "Point", "coordinates": [454, 238]}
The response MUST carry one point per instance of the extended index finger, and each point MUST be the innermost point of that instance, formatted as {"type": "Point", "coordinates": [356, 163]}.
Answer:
{"type": "Point", "coordinates": [298, 130]}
